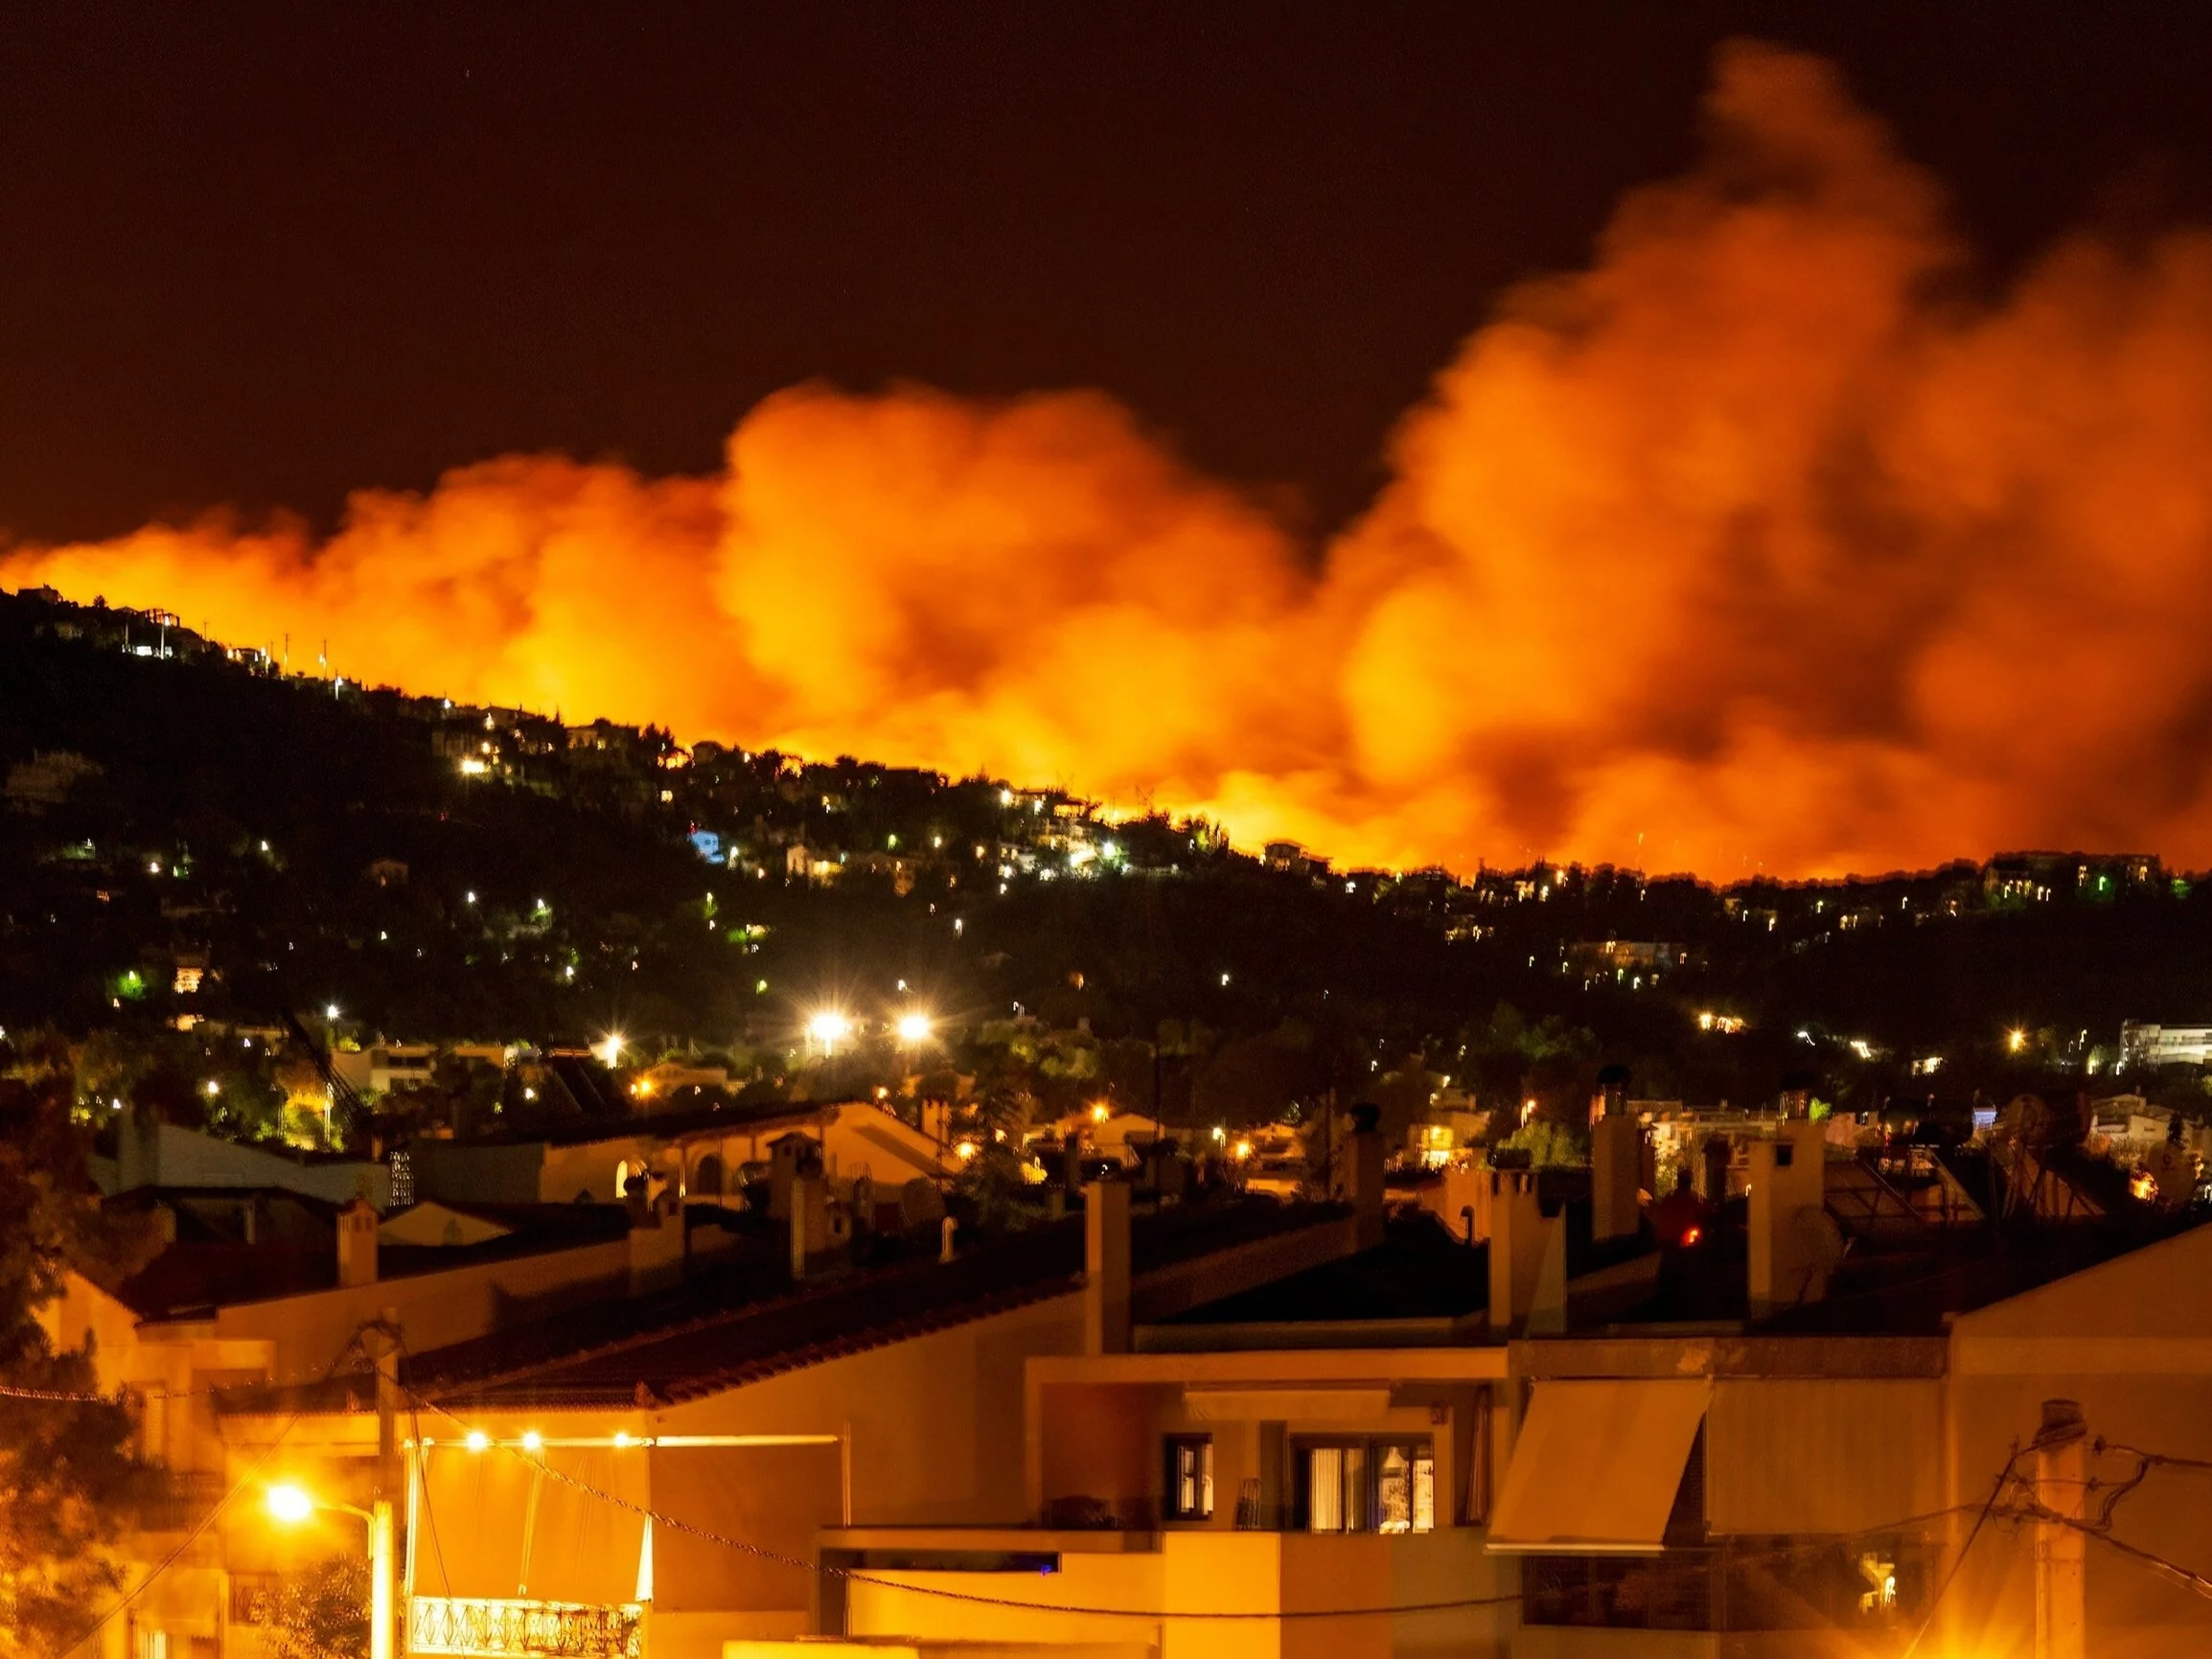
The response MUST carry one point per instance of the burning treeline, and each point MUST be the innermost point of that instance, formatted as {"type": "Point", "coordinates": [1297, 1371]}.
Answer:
{"type": "Point", "coordinates": [1763, 540]}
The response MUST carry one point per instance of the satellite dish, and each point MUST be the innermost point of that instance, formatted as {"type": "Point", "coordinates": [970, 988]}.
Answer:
{"type": "Point", "coordinates": [1819, 1244]}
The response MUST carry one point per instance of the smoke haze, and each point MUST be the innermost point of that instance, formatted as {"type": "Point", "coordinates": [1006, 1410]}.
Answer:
{"type": "Point", "coordinates": [1767, 542]}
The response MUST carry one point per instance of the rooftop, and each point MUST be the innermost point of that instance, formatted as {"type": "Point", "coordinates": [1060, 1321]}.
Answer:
{"type": "Point", "coordinates": [741, 1325]}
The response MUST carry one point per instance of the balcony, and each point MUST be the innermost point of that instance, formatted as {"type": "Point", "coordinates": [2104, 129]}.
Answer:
{"type": "Point", "coordinates": [1115, 1588]}
{"type": "Point", "coordinates": [477, 1629]}
{"type": "Point", "coordinates": [182, 1503]}
{"type": "Point", "coordinates": [1865, 1588]}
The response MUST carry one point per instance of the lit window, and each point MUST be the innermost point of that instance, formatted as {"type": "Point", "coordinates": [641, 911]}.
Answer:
{"type": "Point", "coordinates": [1189, 1477]}
{"type": "Point", "coordinates": [1367, 1485]}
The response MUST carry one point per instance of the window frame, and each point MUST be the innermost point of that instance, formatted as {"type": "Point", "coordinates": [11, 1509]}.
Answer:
{"type": "Point", "coordinates": [1172, 1449]}
{"type": "Point", "coordinates": [1372, 1449]}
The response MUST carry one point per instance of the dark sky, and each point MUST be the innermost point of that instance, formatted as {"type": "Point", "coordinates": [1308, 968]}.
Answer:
{"type": "Point", "coordinates": [262, 257]}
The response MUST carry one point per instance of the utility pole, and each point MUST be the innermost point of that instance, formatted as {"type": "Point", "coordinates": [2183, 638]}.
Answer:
{"type": "Point", "coordinates": [382, 1340]}
{"type": "Point", "coordinates": [2061, 1448]}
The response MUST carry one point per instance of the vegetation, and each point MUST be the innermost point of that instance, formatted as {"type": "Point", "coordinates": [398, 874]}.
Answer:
{"type": "Point", "coordinates": [69, 1482]}
{"type": "Point", "coordinates": [319, 1612]}
{"type": "Point", "coordinates": [195, 842]}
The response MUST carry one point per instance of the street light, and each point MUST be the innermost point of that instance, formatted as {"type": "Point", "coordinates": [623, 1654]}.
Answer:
{"type": "Point", "coordinates": [290, 1504]}
{"type": "Point", "coordinates": [914, 1030]}
{"type": "Point", "coordinates": [829, 1028]}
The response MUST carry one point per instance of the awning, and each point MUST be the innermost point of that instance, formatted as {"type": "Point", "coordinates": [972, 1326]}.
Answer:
{"type": "Point", "coordinates": [1596, 1466]}
{"type": "Point", "coordinates": [1844, 1456]}
{"type": "Point", "coordinates": [498, 1525]}
{"type": "Point", "coordinates": [773, 1499]}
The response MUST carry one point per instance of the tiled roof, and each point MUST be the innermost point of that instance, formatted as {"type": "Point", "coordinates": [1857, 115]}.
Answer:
{"type": "Point", "coordinates": [192, 1278]}
{"type": "Point", "coordinates": [736, 1327]}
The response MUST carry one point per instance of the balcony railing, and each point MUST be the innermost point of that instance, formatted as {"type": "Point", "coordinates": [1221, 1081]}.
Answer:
{"type": "Point", "coordinates": [478, 1628]}
{"type": "Point", "coordinates": [1753, 1585]}
{"type": "Point", "coordinates": [181, 1502]}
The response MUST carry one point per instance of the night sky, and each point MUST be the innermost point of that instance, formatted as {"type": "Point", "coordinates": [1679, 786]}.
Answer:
{"type": "Point", "coordinates": [262, 256]}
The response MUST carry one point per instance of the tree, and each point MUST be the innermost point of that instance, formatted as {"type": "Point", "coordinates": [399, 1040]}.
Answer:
{"type": "Point", "coordinates": [68, 1479]}
{"type": "Point", "coordinates": [321, 1612]}
{"type": "Point", "coordinates": [1549, 1144]}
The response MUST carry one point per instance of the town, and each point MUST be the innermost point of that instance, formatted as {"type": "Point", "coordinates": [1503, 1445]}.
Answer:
{"type": "Point", "coordinates": [571, 1192]}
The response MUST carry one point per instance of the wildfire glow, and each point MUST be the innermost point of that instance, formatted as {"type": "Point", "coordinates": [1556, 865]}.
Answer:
{"type": "Point", "coordinates": [1762, 541]}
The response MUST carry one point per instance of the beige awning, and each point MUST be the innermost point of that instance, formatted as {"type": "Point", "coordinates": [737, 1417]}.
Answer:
{"type": "Point", "coordinates": [771, 1499]}
{"type": "Point", "coordinates": [501, 1525]}
{"type": "Point", "coordinates": [1804, 1456]}
{"type": "Point", "coordinates": [1596, 1466]}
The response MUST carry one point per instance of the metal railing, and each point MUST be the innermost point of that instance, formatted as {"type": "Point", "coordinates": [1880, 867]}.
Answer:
{"type": "Point", "coordinates": [479, 1628]}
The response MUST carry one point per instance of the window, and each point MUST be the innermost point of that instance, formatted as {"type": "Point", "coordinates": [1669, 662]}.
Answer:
{"type": "Point", "coordinates": [1190, 1485]}
{"type": "Point", "coordinates": [1366, 1486]}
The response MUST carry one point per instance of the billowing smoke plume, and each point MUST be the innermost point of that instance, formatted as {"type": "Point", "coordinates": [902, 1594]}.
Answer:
{"type": "Point", "coordinates": [1761, 542]}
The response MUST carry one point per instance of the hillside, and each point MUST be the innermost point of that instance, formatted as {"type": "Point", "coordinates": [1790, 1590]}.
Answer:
{"type": "Point", "coordinates": [191, 833]}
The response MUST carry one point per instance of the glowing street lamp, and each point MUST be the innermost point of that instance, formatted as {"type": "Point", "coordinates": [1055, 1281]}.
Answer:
{"type": "Point", "coordinates": [915, 1028]}
{"type": "Point", "coordinates": [289, 1506]}
{"type": "Point", "coordinates": [829, 1028]}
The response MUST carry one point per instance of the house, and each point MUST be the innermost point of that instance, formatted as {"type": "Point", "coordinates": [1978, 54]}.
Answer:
{"type": "Point", "coordinates": [167, 1155]}
{"type": "Point", "coordinates": [581, 1473]}
{"type": "Point", "coordinates": [1820, 1422]}
{"type": "Point", "coordinates": [705, 1154]}
{"type": "Point", "coordinates": [1760, 1449]}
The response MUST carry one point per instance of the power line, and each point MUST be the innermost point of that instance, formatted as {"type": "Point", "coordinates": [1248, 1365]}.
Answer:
{"type": "Point", "coordinates": [857, 1575]}
{"type": "Point", "coordinates": [2171, 1570]}
{"type": "Point", "coordinates": [205, 1521]}
{"type": "Point", "coordinates": [2156, 1460]}
{"type": "Point", "coordinates": [190, 1538]}
{"type": "Point", "coordinates": [1981, 1519]}
{"type": "Point", "coordinates": [429, 1515]}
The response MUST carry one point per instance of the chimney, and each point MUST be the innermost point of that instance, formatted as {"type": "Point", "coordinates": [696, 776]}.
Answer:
{"type": "Point", "coordinates": [1714, 1160]}
{"type": "Point", "coordinates": [792, 1158]}
{"type": "Point", "coordinates": [1792, 1239]}
{"type": "Point", "coordinates": [1106, 1267]}
{"type": "Point", "coordinates": [1616, 1159]}
{"type": "Point", "coordinates": [1795, 1095]}
{"type": "Point", "coordinates": [656, 1241]}
{"type": "Point", "coordinates": [1365, 1176]}
{"type": "Point", "coordinates": [357, 1225]}
{"type": "Point", "coordinates": [937, 1122]}
{"type": "Point", "coordinates": [1611, 1100]}
{"type": "Point", "coordinates": [1521, 1242]}
{"type": "Point", "coordinates": [808, 1220]}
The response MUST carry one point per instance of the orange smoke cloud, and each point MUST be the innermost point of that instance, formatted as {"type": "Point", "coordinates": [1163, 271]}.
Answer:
{"type": "Point", "coordinates": [1761, 543]}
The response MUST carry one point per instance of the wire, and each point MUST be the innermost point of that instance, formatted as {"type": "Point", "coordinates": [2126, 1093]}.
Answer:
{"type": "Point", "coordinates": [205, 1521]}
{"type": "Point", "coordinates": [855, 1575]}
{"type": "Point", "coordinates": [429, 1515]}
{"type": "Point", "coordinates": [1981, 1519]}
{"type": "Point", "coordinates": [2154, 1459]}
{"type": "Point", "coordinates": [190, 1538]}
{"type": "Point", "coordinates": [2173, 1570]}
